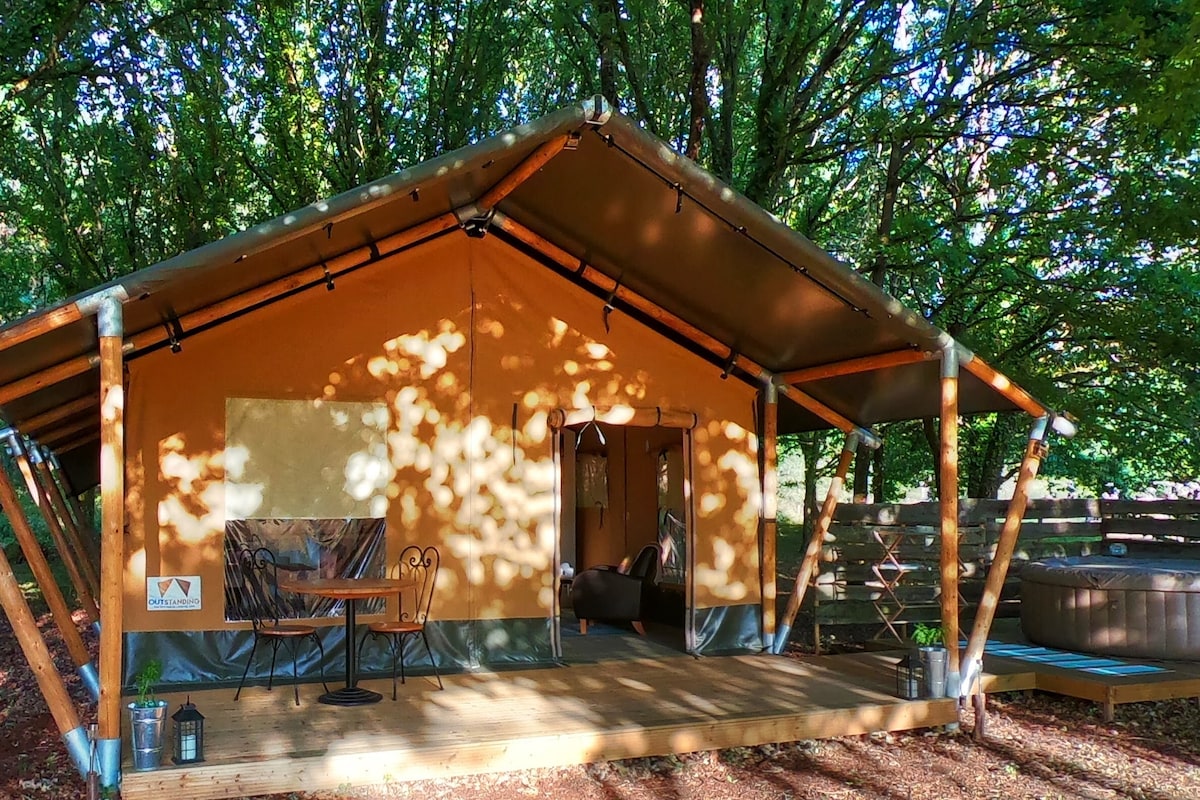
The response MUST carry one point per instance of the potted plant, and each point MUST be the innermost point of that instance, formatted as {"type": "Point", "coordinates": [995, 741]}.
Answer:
{"type": "Point", "coordinates": [148, 718]}
{"type": "Point", "coordinates": [931, 650]}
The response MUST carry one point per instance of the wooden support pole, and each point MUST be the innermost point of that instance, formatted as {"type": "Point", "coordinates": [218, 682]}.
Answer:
{"type": "Point", "coordinates": [69, 558]}
{"type": "Point", "coordinates": [16, 608]}
{"type": "Point", "coordinates": [623, 415]}
{"type": "Point", "coordinates": [81, 522]}
{"type": "Point", "coordinates": [812, 555]}
{"type": "Point", "coordinates": [71, 430]}
{"type": "Point", "coordinates": [59, 610]}
{"type": "Point", "coordinates": [948, 504]}
{"type": "Point", "coordinates": [112, 542]}
{"type": "Point", "coordinates": [768, 441]}
{"type": "Point", "coordinates": [46, 377]}
{"type": "Point", "coordinates": [854, 366]}
{"type": "Point", "coordinates": [1018, 396]}
{"type": "Point", "coordinates": [34, 426]}
{"type": "Point", "coordinates": [972, 660]}
{"type": "Point", "coordinates": [81, 545]}
{"type": "Point", "coordinates": [43, 323]}
{"type": "Point", "coordinates": [523, 172]}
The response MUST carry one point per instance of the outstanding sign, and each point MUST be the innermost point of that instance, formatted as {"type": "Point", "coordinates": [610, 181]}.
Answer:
{"type": "Point", "coordinates": [173, 593]}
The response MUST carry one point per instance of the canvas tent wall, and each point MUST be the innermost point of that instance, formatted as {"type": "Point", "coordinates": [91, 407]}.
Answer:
{"type": "Point", "coordinates": [454, 339]}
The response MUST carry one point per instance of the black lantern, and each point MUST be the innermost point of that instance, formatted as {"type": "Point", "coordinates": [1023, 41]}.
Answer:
{"type": "Point", "coordinates": [189, 734]}
{"type": "Point", "coordinates": [910, 677]}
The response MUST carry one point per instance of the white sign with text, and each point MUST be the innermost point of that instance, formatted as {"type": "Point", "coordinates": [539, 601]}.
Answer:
{"type": "Point", "coordinates": [173, 593]}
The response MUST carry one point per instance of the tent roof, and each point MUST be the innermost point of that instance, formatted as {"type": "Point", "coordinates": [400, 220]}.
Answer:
{"type": "Point", "coordinates": [615, 199]}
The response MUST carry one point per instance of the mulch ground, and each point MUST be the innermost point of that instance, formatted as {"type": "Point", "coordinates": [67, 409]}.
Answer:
{"type": "Point", "coordinates": [1036, 746]}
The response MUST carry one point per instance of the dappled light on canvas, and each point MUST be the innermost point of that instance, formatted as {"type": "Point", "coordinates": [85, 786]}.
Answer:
{"type": "Point", "coordinates": [434, 411]}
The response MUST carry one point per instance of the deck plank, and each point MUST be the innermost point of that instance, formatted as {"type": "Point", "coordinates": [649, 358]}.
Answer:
{"type": "Point", "coordinates": [487, 722]}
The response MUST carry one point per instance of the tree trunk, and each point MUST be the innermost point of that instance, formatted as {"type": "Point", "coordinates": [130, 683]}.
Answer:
{"type": "Point", "coordinates": [878, 476]}
{"type": "Point", "coordinates": [697, 94]}
{"type": "Point", "coordinates": [929, 426]}
{"type": "Point", "coordinates": [808, 451]}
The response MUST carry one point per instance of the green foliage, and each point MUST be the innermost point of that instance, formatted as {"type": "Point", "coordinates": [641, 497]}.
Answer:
{"type": "Point", "coordinates": [1023, 174]}
{"type": "Point", "coordinates": [145, 683]}
{"type": "Point", "coordinates": [927, 635]}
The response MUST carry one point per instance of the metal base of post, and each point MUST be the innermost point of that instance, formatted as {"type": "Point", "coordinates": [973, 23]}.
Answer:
{"type": "Point", "coordinates": [781, 637]}
{"type": "Point", "coordinates": [79, 747]}
{"type": "Point", "coordinates": [91, 679]}
{"type": "Point", "coordinates": [108, 753]}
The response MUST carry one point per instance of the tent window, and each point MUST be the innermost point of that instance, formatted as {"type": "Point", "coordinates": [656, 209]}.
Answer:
{"type": "Point", "coordinates": [314, 548]}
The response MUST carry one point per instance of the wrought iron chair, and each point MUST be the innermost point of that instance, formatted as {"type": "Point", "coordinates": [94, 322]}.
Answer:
{"type": "Point", "coordinates": [420, 566]}
{"type": "Point", "coordinates": [260, 601]}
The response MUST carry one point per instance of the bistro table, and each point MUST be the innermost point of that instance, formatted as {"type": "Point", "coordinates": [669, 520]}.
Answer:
{"type": "Point", "coordinates": [351, 590]}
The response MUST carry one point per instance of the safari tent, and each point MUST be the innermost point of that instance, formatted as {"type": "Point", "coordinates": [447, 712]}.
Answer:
{"type": "Point", "coordinates": [548, 347]}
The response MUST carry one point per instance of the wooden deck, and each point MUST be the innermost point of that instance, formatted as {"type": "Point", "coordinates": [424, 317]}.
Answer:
{"type": "Point", "coordinates": [488, 722]}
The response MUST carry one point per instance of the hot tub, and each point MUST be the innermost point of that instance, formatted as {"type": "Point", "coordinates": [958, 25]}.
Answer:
{"type": "Point", "coordinates": [1114, 606]}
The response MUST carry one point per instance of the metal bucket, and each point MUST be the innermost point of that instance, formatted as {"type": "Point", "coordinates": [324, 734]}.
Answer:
{"type": "Point", "coordinates": [934, 659]}
{"type": "Point", "coordinates": [147, 724]}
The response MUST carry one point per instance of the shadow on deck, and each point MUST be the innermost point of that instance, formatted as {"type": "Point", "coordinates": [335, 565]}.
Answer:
{"type": "Point", "coordinates": [489, 722]}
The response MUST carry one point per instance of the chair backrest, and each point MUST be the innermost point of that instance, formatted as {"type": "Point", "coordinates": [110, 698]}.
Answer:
{"type": "Point", "coordinates": [419, 565]}
{"type": "Point", "coordinates": [646, 565]}
{"type": "Point", "coordinates": [260, 587]}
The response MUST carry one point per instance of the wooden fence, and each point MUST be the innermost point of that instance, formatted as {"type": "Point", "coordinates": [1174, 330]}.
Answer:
{"type": "Point", "coordinates": [880, 563]}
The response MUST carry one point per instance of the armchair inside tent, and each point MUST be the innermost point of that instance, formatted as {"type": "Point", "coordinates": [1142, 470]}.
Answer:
{"type": "Point", "coordinates": [615, 595]}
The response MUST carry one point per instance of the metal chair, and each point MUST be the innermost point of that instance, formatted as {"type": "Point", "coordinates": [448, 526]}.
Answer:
{"type": "Point", "coordinates": [260, 601]}
{"type": "Point", "coordinates": [420, 566]}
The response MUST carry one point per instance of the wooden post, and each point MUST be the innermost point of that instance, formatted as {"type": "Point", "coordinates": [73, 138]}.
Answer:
{"type": "Point", "coordinates": [82, 544]}
{"type": "Point", "coordinates": [112, 533]}
{"type": "Point", "coordinates": [854, 366]}
{"type": "Point", "coordinates": [770, 502]}
{"type": "Point", "coordinates": [75, 560]}
{"type": "Point", "coordinates": [972, 661]}
{"type": "Point", "coordinates": [84, 521]}
{"type": "Point", "coordinates": [523, 172]}
{"type": "Point", "coordinates": [812, 555]}
{"type": "Point", "coordinates": [46, 582]}
{"type": "Point", "coordinates": [948, 503]}
{"type": "Point", "coordinates": [38, 655]}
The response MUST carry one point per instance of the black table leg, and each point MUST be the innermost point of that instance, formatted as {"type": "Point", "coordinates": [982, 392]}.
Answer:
{"type": "Point", "coordinates": [350, 694]}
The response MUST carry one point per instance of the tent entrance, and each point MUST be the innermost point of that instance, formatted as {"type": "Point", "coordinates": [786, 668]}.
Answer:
{"type": "Point", "coordinates": [621, 487]}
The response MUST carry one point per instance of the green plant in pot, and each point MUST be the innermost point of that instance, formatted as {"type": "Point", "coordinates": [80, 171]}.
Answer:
{"type": "Point", "coordinates": [931, 650]}
{"type": "Point", "coordinates": [148, 718]}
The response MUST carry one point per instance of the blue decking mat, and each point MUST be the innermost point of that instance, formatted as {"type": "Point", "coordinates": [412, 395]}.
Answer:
{"type": "Point", "coordinates": [1064, 659]}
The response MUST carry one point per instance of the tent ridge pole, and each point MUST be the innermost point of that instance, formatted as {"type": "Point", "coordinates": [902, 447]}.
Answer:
{"type": "Point", "coordinates": [523, 172]}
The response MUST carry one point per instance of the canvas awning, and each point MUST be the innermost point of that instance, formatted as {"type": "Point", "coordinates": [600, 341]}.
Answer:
{"type": "Point", "coordinates": [597, 190]}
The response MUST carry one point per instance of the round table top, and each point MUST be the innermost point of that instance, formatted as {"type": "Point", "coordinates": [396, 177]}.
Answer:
{"type": "Point", "coordinates": [347, 588]}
